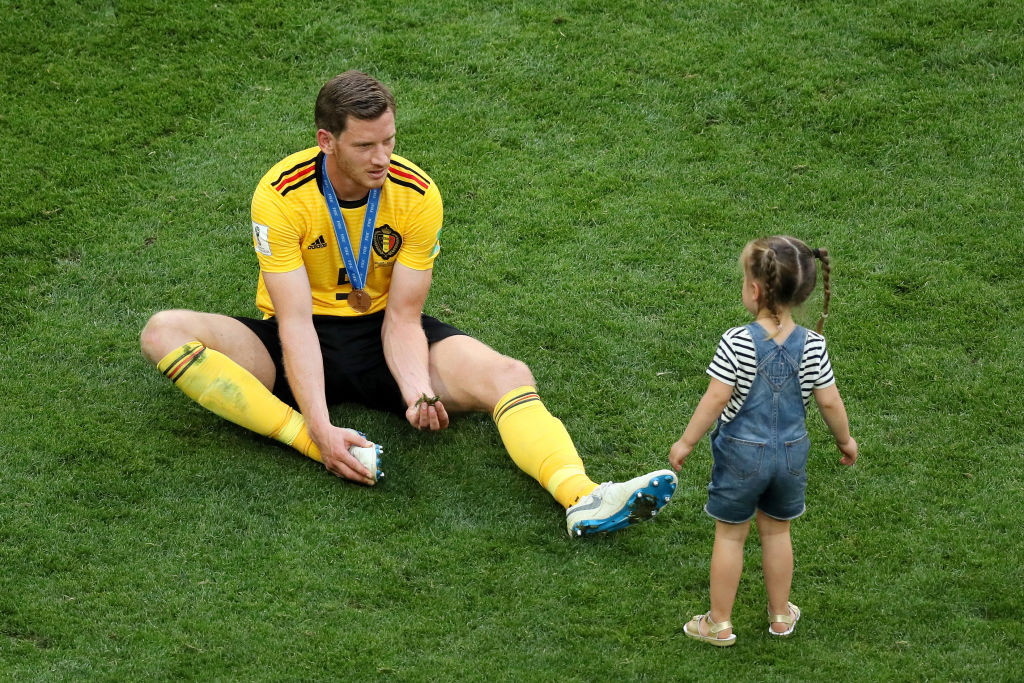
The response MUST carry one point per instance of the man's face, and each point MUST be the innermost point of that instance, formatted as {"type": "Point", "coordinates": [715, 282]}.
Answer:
{"type": "Point", "coordinates": [360, 155]}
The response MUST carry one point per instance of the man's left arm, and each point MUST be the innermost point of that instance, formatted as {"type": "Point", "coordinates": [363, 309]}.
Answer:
{"type": "Point", "coordinates": [406, 350]}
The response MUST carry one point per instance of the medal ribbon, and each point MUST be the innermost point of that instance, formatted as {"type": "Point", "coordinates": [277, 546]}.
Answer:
{"type": "Point", "coordinates": [357, 273]}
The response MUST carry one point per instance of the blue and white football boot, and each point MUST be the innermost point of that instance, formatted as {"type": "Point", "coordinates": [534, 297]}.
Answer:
{"type": "Point", "coordinates": [369, 457]}
{"type": "Point", "coordinates": [613, 506]}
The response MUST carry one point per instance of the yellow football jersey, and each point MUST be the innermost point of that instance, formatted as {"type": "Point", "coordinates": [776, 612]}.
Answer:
{"type": "Point", "coordinates": [291, 227]}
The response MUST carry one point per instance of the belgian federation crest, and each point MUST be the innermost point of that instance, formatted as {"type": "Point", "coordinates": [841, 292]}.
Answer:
{"type": "Point", "coordinates": [386, 242]}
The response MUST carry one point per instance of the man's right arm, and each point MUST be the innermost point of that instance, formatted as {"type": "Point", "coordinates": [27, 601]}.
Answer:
{"type": "Point", "coordinates": [304, 368]}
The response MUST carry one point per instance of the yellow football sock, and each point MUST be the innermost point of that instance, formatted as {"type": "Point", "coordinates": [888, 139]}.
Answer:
{"type": "Point", "coordinates": [225, 388]}
{"type": "Point", "coordinates": [540, 445]}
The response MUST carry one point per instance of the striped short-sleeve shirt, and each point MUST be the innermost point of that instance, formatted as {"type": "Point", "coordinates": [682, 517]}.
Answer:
{"type": "Point", "coordinates": [735, 364]}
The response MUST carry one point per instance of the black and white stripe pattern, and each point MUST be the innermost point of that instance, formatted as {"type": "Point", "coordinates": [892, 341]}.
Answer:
{"type": "Point", "coordinates": [735, 364]}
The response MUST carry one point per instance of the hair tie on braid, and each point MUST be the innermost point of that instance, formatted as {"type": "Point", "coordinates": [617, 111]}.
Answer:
{"type": "Point", "coordinates": [817, 253]}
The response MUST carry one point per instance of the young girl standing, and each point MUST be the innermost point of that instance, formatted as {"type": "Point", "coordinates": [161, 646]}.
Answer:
{"type": "Point", "coordinates": [762, 378]}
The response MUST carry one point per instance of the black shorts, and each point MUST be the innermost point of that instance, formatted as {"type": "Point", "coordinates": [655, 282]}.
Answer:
{"type": "Point", "coordinates": [354, 367]}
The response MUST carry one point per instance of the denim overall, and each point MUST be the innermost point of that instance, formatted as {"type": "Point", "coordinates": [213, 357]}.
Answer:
{"type": "Point", "coordinates": [761, 454]}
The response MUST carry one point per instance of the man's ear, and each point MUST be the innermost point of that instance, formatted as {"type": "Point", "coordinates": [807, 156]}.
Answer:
{"type": "Point", "coordinates": [326, 141]}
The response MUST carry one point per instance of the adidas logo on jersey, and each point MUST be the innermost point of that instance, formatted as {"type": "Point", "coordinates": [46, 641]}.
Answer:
{"type": "Point", "coordinates": [318, 243]}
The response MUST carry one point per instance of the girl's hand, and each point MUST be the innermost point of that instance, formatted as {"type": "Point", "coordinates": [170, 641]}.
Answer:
{"type": "Point", "coordinates": [677, 456]}
{"type": "Point", "coordinates": [849, 451]}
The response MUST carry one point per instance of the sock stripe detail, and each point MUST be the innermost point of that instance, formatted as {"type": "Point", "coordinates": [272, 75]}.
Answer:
{"type": "Point", "coordinates": [183, 363]}
{"type": "Point", "coordinates": [289, 429]}
{"type": "Point", "coordinates": [562, 475]}
{"type": "Point", "coordinates": [513, 402]}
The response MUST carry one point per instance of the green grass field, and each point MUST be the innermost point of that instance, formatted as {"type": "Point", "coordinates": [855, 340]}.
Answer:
{"type": "Point", "coordinates": [602, 164]}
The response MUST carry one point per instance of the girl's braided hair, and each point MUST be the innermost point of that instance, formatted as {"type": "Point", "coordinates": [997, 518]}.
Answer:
{"type": "Point", "coordinates": [785, 268]}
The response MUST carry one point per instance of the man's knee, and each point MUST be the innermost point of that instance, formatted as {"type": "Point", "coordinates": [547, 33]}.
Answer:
{"type": "Point", "coordinates": [162, 334]}
{"type": "Point", "coordinates": [473, 376]}
{"type": "Point", "coordinates": [511, 373]}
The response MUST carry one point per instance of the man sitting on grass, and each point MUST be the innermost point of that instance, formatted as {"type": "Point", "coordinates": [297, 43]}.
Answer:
{"type": "Point", "coordinates": [346, 234]}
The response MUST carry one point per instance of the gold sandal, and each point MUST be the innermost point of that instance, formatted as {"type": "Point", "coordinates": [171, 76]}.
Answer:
{"type": "Point", "coordinates": [713, 629]}
{"type": "Point", "coordinates": [788, 619]}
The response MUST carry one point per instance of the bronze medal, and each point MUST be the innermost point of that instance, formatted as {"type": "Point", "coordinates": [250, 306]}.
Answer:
{"type": "Point", "coordinates": [359, 300]}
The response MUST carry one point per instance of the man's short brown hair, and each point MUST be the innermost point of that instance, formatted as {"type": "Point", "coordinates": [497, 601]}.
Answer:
{"type": "Point", "coordinates": [351, 93]}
